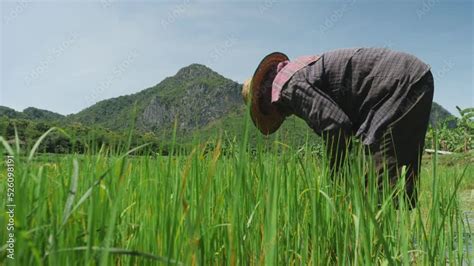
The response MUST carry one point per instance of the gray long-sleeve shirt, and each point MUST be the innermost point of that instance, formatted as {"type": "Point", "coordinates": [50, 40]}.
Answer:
{"type": "Point", "coordinates": [359, 91]}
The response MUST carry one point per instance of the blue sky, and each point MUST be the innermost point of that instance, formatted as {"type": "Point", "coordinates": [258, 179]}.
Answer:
{"type": "Point", "coordinates": [66, 55]}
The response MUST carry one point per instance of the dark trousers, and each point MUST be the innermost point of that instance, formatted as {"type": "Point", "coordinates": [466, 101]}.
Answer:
{"type": "Point", "coordinates": [403, 142]}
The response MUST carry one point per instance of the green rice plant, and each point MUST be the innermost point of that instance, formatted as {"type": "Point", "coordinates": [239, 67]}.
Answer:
{"type": "Point", "coordinates": [233, 204]}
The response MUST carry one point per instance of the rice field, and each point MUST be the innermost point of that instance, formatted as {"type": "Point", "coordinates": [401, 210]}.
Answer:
{"type": "Point", "coordinates": [277, 206]}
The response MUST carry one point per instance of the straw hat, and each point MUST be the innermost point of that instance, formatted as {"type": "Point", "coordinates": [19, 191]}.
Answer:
{"type": "Point", "coordinates": [258, 90]}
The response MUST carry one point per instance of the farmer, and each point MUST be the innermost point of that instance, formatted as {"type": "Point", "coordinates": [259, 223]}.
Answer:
{"type": "Point", "coordinates": [380, 96]}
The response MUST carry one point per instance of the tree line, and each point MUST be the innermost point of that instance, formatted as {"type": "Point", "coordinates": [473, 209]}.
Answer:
{"type": "Point", "coordinates": [78, 138]}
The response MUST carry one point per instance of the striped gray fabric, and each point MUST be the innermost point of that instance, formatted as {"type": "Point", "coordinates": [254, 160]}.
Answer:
{"type": "Point", "coordinates": [359, 91]}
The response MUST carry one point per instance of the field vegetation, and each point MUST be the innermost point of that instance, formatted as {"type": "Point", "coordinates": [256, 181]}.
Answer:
{"type": "Point", "coordinates": [228, 202]}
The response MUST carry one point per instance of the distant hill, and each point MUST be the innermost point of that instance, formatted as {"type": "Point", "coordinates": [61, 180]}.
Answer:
{"type": "Point", "coordinates": [203, 102]}
{"type": "Point", "coordinates": [439, 114]}
{"type": "Point", "coordinates": [30, 113]}
{"type": "Point", "coordinates": [195, 96]}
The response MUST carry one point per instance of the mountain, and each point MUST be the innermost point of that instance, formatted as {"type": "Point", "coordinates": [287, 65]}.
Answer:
{"type": "Point", "coordinates": [194, 97]}
{"type": "Point", "coordinates": [30, 113]}
{"type": "Point", "coordinates": [439, 114]}
{"type": "Point", "coordinates": [202, 102]}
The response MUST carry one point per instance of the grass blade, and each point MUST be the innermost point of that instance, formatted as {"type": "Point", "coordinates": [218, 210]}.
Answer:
{"type": "Point", "coordinates": [72, 192]}
{"type": "Point", "coordinates": [121, 251]}
{"type": "Point", "coordinates": [41, 138]}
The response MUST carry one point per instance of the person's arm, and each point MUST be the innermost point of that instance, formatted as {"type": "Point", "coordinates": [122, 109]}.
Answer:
{"type": "Point", "coordinates": [322, 114]}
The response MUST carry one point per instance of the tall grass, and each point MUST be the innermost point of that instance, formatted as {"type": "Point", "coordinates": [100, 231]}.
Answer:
{"type": "Point", "coordinates": [243, 207]}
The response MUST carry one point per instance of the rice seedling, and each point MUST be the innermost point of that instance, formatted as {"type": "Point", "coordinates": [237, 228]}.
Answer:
{"type": "Point", "coordinates": [249, 206]}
